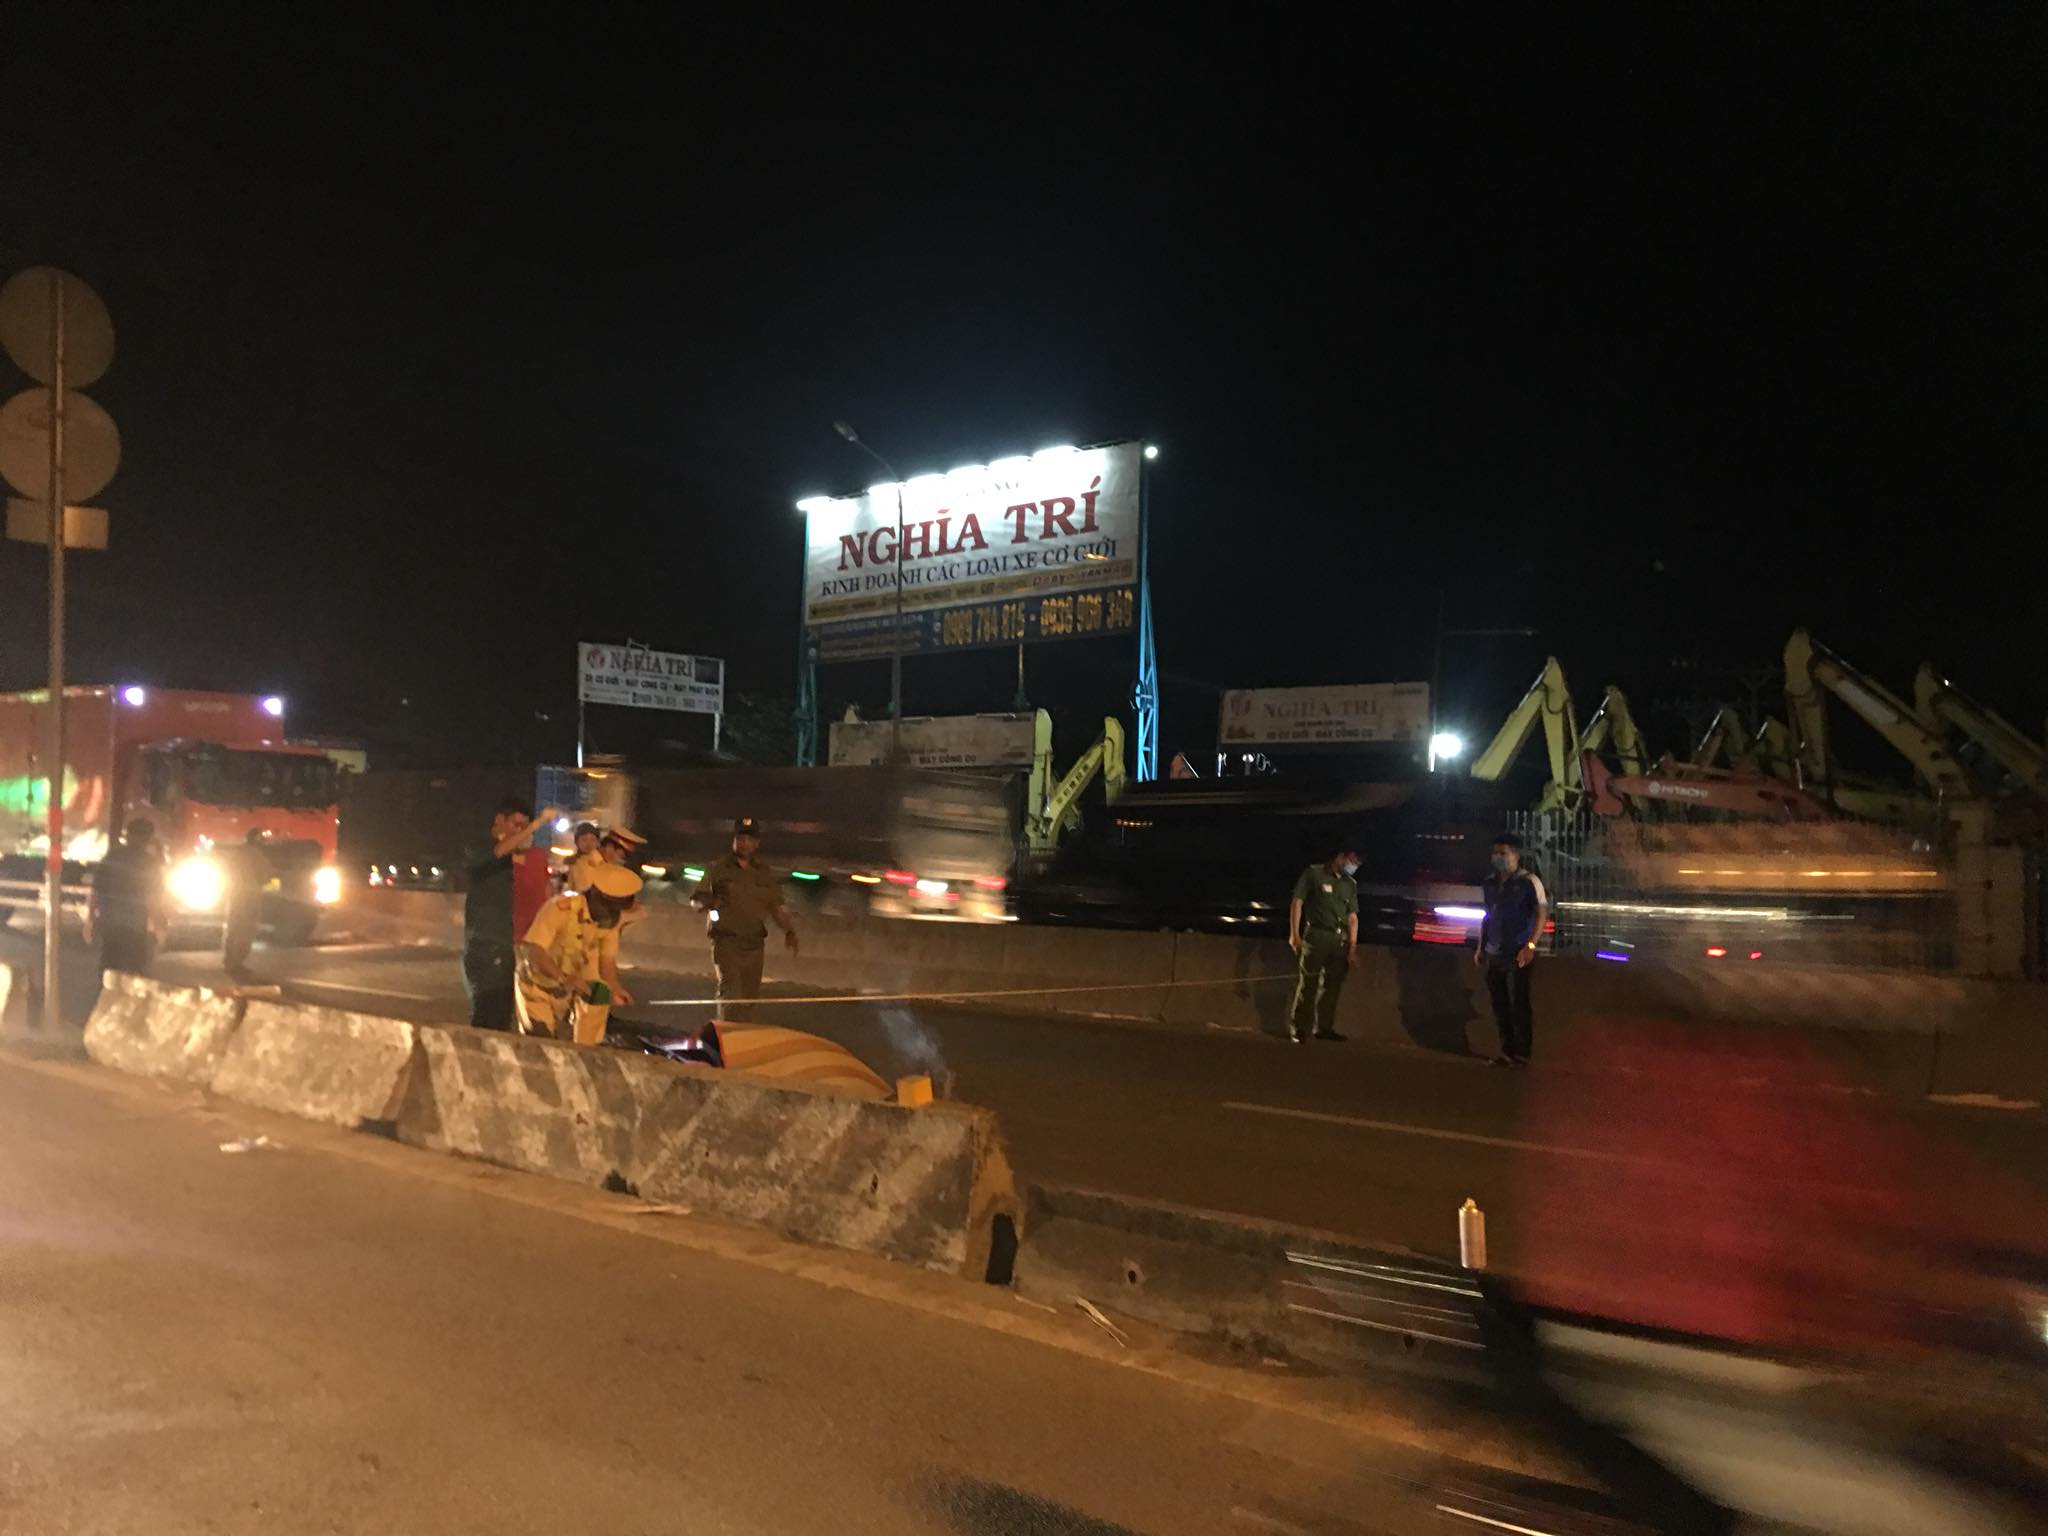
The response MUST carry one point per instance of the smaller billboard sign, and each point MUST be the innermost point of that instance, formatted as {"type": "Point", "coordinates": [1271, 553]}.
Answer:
{"type": "Point", "coordinates": [642, 679]}
{"type": "Point", "coordinates": [1351, 715]}
{"type": "Point", "coordinates": [943, 741]}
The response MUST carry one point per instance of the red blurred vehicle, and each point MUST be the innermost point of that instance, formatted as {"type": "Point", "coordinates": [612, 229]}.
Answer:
{"type": "Point", "coordinates": [206, 769]}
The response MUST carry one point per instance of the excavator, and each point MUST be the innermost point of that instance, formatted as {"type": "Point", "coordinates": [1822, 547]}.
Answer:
{"type": "Point", "coordinates": [1812, 671]}
{"type": "Point", "coordinates": [1613, 728]}
{"type": "Point", "coordinates": [1548, 702]}
{"type": "Point", "coordinates": [1941, 707]}
{"type": "Point", "coordinates": [1727, 743]}
{"type": "Point", "coordinates": [1581, 778]}
{"type": "Point", "coordinates": [1052, 807]}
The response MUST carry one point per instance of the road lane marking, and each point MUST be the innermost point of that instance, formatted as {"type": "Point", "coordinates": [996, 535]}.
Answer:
{"type": "Point", "coordinates": [1489, 1521]}
{"type": "Point", "coordinates": [1435, 1133]}
{"type": "Point", "coordinates": [343, 986]}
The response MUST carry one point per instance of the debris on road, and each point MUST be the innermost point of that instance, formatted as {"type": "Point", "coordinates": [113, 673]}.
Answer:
{"type": "Point", "coordinates": [252, 1144]}
{"type": "Point", "coordinates": [1096, 1317]}
{"type": "Point", "coordinates": [657, 1208]}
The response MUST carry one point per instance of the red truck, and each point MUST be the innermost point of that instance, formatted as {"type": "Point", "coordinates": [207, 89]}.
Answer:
{"type": "Point", "coordinates": [205, 768]}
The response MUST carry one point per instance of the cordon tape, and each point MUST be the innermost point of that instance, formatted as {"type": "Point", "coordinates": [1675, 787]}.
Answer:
{"type": "Point", "coordinates": [955, 997]}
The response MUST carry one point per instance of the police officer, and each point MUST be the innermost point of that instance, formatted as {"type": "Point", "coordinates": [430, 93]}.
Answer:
{"type": "Point", "coordinates": [568, 965]}
{"type": "Point", "coordinates": [588, 860]}
{"type": "Point", "coordinates": [742, 894]}
{"type": "Point", "coordinates": [1322, 930]}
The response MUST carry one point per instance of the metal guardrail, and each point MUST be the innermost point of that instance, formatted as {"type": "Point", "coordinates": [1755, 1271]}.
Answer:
{"type": "Point", "coordinates": [27, 896]}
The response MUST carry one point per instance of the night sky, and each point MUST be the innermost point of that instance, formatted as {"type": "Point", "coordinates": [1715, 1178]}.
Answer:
{"type": "Point", "coordinates": [444, 344]}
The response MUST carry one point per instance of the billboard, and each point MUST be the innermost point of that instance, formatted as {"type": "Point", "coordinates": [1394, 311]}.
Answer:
{"type": "Point", "coordinates": [642, 679]}
{"type": "Point", "coordinates": [1353, 715]}
{"type": "Point", "coordinates": [1018, 550]}
{"type": "Point", "coordinates": [939, 741]}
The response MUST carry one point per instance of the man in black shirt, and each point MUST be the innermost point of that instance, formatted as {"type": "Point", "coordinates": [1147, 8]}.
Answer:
{"type": "Point", "coordinates": [488, 942]}
{"type": "Point", "coordinates": [128, 910]}
{"type": "Point", "coordinates": [1516, 905]}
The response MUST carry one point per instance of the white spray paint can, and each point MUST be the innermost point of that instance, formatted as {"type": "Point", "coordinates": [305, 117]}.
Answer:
{"type": "Point", "coordinates": [1471, 1235]}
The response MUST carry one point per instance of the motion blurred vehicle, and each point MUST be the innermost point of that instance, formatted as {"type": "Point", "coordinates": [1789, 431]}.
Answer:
{"type": "Point", "coordinates": [408, 829]}
{"type": "Point", "coordinates": [205, 769]}
{"type": "Point", "coordinates": [1221, 856]}
{"type": "Point", "coordinates": [895, 842]}
{"type": "Point", "coordinates": [1781, 1300]}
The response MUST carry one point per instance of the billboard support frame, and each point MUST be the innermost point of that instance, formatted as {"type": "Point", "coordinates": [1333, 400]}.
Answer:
{"type": "Point", "coordinates": [1145, 691]}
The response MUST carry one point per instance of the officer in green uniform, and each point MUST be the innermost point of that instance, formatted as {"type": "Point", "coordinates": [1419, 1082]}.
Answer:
{"type": "Point", "coordinates": [1322, 930]}
{"type": "Point", "coordinates": [742, 894]}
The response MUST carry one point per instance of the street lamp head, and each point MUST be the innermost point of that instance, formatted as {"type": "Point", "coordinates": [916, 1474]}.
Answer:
{"type": "Point", "coordinates": [1151, 450]}
{"type": "Point", "coordinates": [845, 430]}
{"type": "Point", "coordinates": [1445, 745]}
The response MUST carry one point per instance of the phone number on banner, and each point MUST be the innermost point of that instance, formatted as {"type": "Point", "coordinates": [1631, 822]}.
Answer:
{"type": "Point", "coordinates": [1013, 621]}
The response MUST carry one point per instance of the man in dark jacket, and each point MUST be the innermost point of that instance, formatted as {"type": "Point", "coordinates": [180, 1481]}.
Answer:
{"type": "Point", "coordinates": [248, 871]}
{"type": "Point", "coordinates": [1516, 905]}
{"type": "Point", "coordinates": [129, 915]}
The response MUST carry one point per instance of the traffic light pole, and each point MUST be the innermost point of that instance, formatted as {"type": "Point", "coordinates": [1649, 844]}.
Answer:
{"type": "Point", "coordinates": [53, 868]}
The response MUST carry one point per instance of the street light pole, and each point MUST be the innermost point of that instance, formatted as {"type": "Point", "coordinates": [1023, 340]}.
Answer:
{"type": "Point", "coordinates": [896, 633]}
{"type": "Point", "coordinates": [1436, 665]}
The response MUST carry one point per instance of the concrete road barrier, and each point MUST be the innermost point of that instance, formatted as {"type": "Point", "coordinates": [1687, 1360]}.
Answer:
{"type": "Point", "coordinates": [927, 1186]}
{"type": "Point", "coordinates": [154, 1030]}
{"type": "Point", "coordinates": [319, 1063]}
{"type": "Point", "coordinates": [545, 1106]}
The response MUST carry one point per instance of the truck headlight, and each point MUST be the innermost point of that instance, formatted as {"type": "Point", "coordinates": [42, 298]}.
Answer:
{"type": "Point", "coordinates": [197, 884]}
{"type": "Point", "coordinates": [327, 885]}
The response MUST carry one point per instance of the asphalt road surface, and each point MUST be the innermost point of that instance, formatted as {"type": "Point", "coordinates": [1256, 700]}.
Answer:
{"type": "Point", "coordinates": [340, 1334]}
{"type": "Point", "coordinates": [1379, 1144]}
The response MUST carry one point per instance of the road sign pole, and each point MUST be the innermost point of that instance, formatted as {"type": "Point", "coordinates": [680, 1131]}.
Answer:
{"type": "Point", "coordinates": [53, 868]}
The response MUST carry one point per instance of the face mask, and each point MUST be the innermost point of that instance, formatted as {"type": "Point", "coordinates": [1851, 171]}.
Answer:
{"type": "Point", "coordinates": [1349, 867]}
{"type": "Point", "coordinates": [1500, 863]}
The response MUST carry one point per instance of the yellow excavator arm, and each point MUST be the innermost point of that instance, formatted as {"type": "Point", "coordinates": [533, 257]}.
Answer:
{"type": "Point", "coordinates": [1810, 668]}
{"type": "Point", "coordinates": [1613, 728]}
{"type": "Point", "coordinates": [1043, 824]}
{"type": "Point", "coordinates": [1727, 743]}
{"type": "Point", "coordinates": [1943, 707]}
{"type": "Point", "coordinates": [1548, 702]}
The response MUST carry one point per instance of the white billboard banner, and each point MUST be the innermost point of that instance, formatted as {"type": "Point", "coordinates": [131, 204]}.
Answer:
{"type": "Point", "coordinates": [1022, 549]}
{"type": "Point", "coordinates": [644, 679]}
{"type": "Point", "coordinates": [944, 741]}
{"type": "Point", "coordinates": [1350, 715]}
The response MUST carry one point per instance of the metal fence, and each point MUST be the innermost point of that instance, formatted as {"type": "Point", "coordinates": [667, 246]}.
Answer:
{"type": "Point", "coordinates": [1817, 893]}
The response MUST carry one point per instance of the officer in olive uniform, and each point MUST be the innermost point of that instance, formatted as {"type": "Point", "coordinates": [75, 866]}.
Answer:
{"type": "Point", "coordinates": [742, 895]}
{"type": "Point", "coordinates": [1322, 929]}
